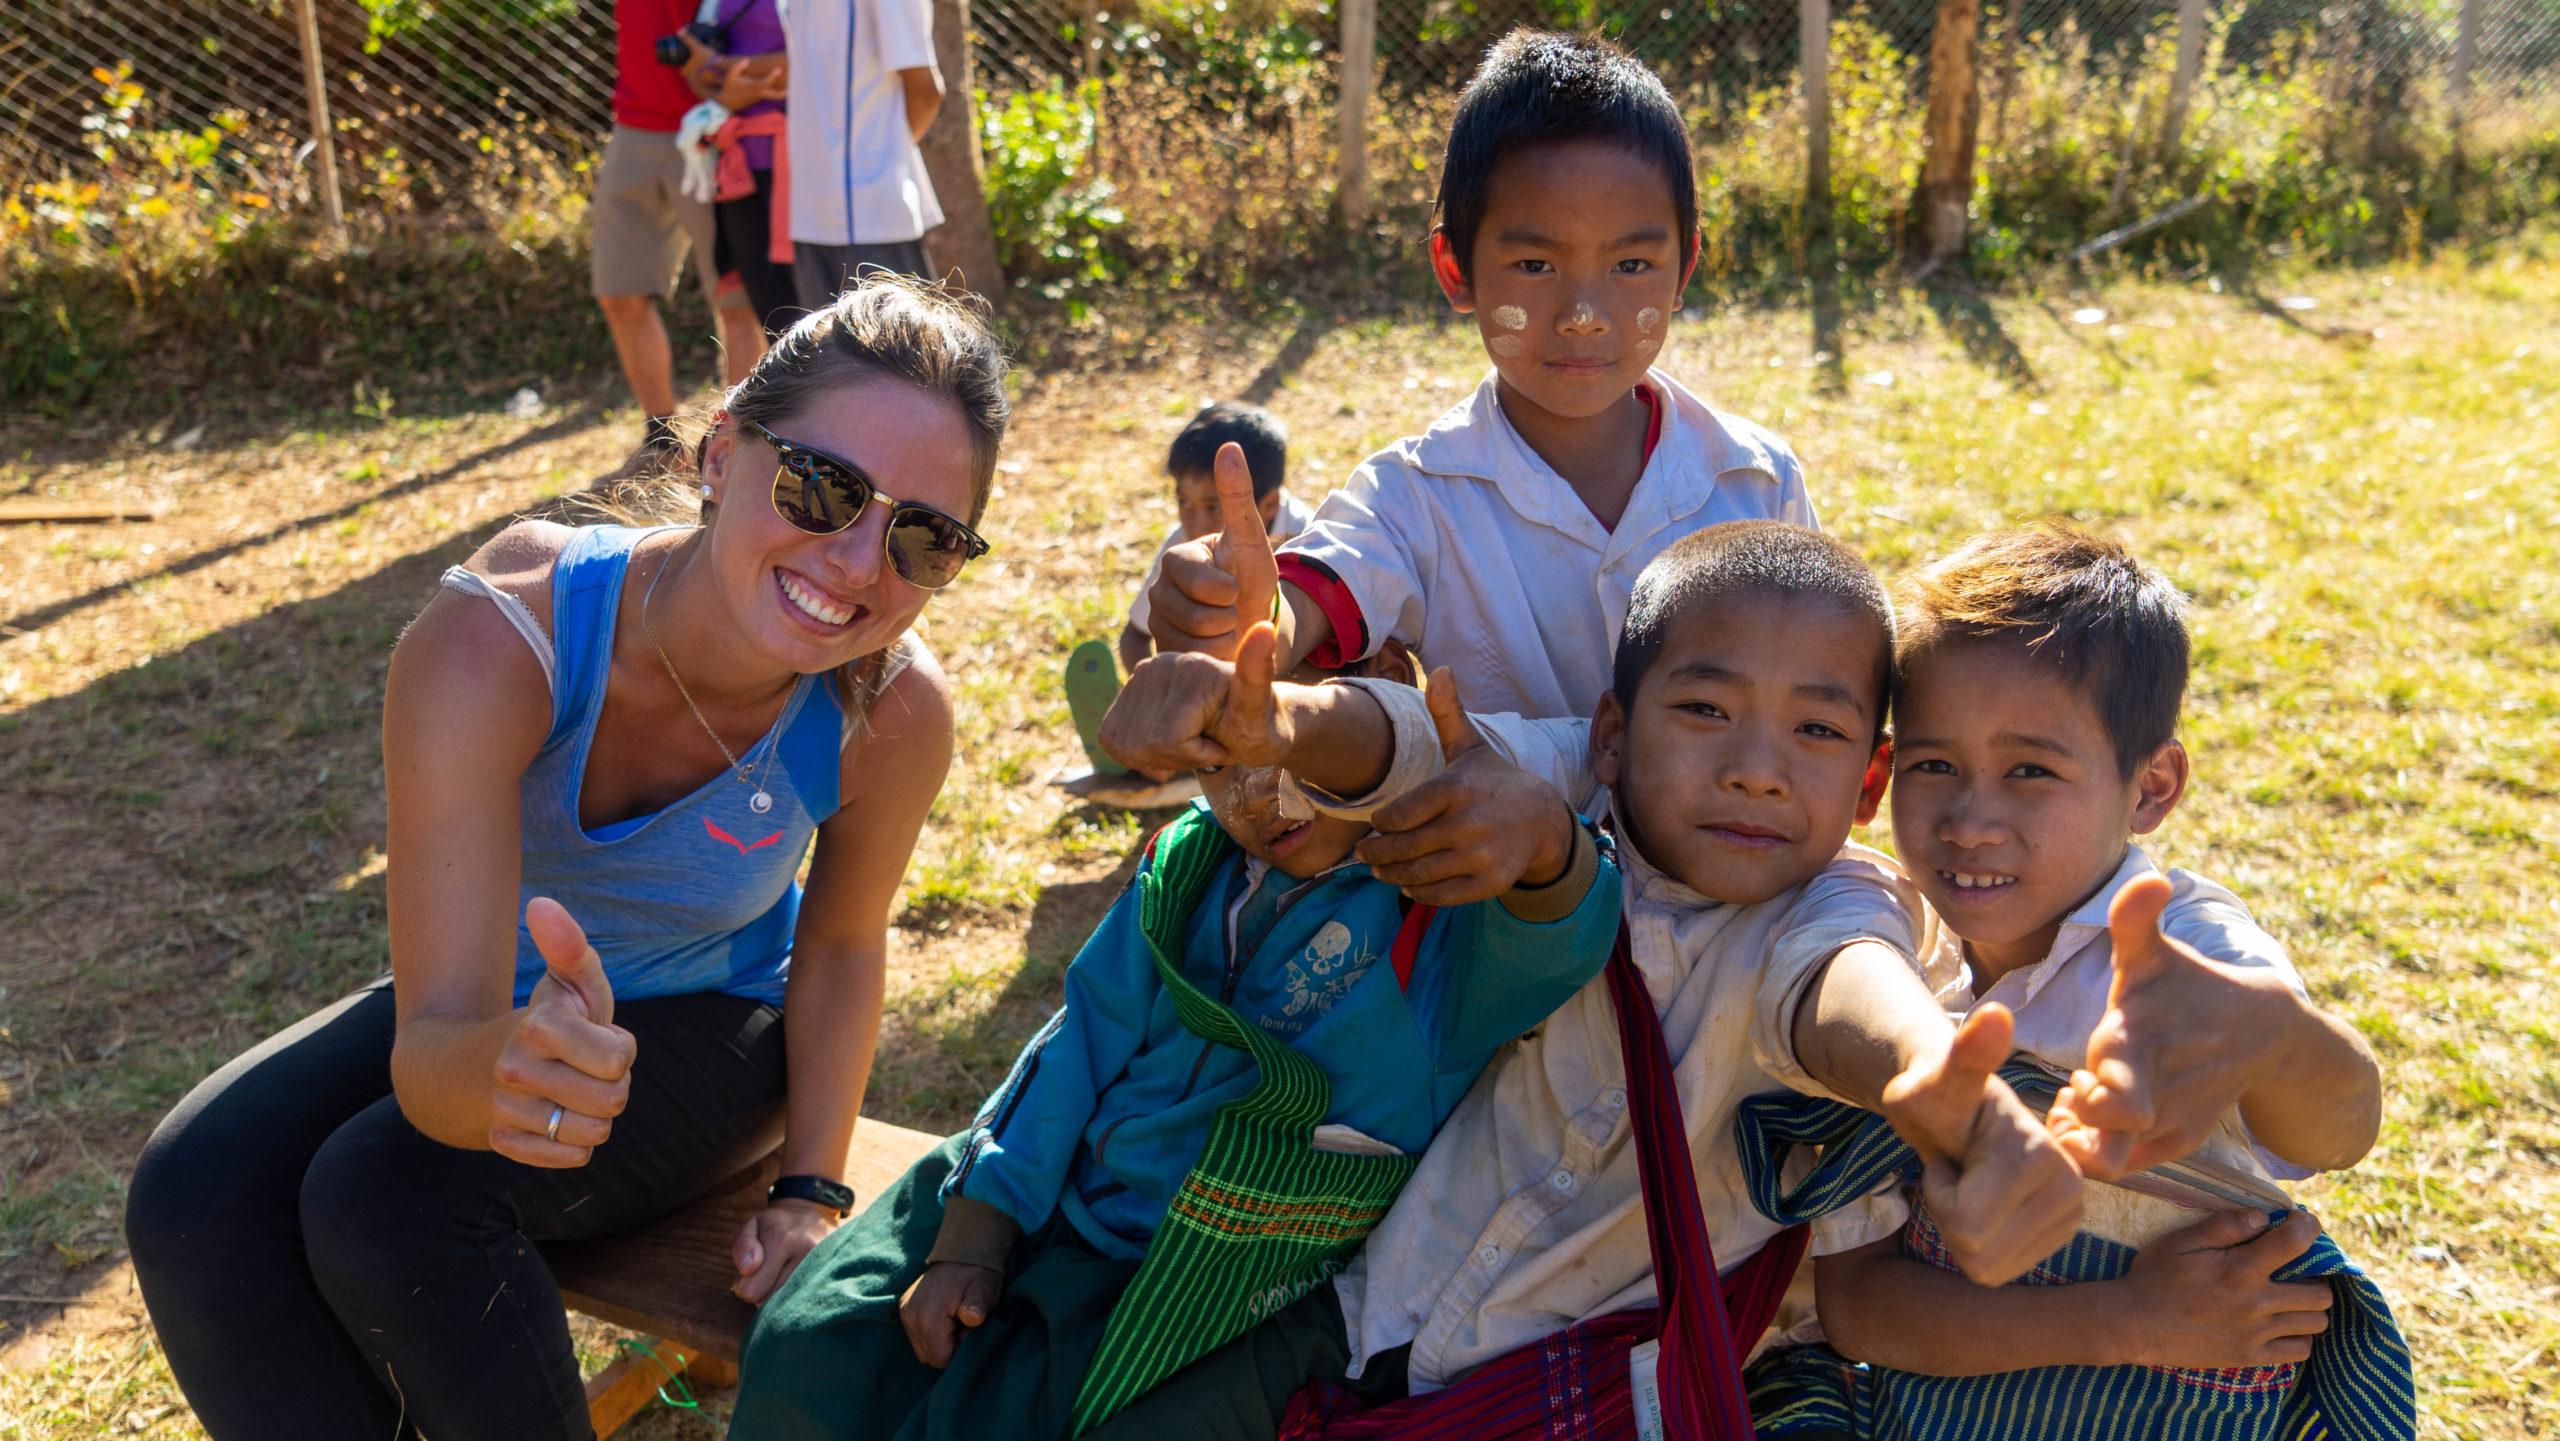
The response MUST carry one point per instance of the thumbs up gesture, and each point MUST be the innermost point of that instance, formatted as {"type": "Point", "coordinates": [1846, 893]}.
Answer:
{"type": "Point", "coordinates": [2004, 1194]}
{"type": "Point", "coordinates": [1211, 589]}
{"type": "Point", "coordinates": [2184, 1038]}
{"type": "Point", "coordinates": [565, 1072]}
{"type": "Point", "coordinates": [1188, 711]}
{"type": "Point", "coordinates": [1477, 829]}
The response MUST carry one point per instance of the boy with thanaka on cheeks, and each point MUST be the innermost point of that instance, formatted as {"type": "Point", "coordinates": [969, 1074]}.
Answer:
{"type": "Point", "coordinates": [1502, 541]}
{"type": "Point", "coordinates": [2041, 672]}
{"type": "Point", "coordinates": [1740, 741]}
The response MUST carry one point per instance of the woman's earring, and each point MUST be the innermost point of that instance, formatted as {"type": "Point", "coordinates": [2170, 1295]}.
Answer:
{"type": "Point", "coordinates": [706, 492]}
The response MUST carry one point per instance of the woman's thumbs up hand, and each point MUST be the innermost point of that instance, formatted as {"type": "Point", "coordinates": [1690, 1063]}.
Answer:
{"type": "Point", "coordinates": [565, 1073]}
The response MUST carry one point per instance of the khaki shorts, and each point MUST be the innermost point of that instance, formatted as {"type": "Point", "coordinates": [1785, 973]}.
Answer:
{"type": "Point", "coordinates": [641, 221]}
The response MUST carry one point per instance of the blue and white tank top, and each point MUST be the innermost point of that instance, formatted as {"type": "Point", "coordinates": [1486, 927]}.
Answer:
{"type": "Point", "coordinates": [704, 894]}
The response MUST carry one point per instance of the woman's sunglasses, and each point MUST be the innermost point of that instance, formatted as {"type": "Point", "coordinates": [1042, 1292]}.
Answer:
{"type": "Point", "coordinates": [822, 494]}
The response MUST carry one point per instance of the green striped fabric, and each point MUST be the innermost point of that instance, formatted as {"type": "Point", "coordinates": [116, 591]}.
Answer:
{"type": "Point", "coordinates": [2357, 1386]}
{"type": "Point", "coordinates": [1263, 1216]}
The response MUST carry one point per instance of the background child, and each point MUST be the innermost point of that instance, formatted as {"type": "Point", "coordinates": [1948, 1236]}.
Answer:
{"type": "Point", "coordinates": [1736, 749]}
{"type": "Point", "coordinates": [2041, 675]}
{"type": "Point", "coordinates": [1006, 1255]}
{"type": "Point", "coordinates": [1192, 463]}
{"type": "Point", "coordinates": [1503, 540]}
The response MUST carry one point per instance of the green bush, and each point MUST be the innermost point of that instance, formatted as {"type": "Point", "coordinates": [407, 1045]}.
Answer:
{"type": "Point", "coordinates": [1051, 215]}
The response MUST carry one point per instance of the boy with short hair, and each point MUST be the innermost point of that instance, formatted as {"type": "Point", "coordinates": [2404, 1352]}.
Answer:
{"type": "Point", "coordinates": [1740, 742]}
{"type": "Point", "coordinates": [2041, 673]}
{"type": "Point", "coordinates": [1503, 540]}
{"type": "Point", "coordinates": [1191, 462]}
{"type": "Point", "coordinates": [1255, 1045]}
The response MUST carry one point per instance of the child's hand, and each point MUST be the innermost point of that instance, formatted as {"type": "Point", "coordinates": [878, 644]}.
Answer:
{"type": "Point", "coordinates": [2004, 1194]}
{"type": "Point", "coordinates": [2183, 1040]}
{"type": "Point", "coordinates": [1476, 829]}
{"type": "Point", "coordinates": [2202, 1298]}
{"type": "Point", "coordinates": [948, 1296]}
{"type": "Point", "coordinates": [1183, 712]}
{"type": "Point", "coordinates": [1210, 588]}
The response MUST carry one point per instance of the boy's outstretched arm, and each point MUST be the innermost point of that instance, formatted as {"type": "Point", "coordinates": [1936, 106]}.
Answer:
{"type": "Point", "coordinates": [2004, 1192]}
{"type": "Point", "coordinates": [1211, 589]}
{"type": "Point", "coordinates": [2199, 1297]}
{"type": "Point", "coordinates": [1187, 711]}
{"type": "Point", "coordinates": [2186, 1038]}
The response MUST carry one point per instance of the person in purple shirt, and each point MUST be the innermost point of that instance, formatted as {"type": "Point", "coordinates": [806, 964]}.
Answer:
{"type": "Point", "coordinates": [749, 80]}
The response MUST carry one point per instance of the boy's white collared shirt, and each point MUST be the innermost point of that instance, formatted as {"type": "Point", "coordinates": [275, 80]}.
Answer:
{"type": "Point", "coordinates": [2059, 1001]}
{"type": "Point", "coordinates": [1526, 1214]}
{"type": "Point", "coordinates": [1467, 546]}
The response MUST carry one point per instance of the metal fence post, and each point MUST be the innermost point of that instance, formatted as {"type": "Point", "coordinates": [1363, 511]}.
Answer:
{"type": "Point", "coordinates": [1359, 69]}
{"type": "Point", "coordinates": [2173, 126]}
{"type": "Point", "coordinates": [323, 144]}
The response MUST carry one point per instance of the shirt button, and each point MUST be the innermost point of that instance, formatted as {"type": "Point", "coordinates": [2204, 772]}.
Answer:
{"type": "Point", "coordinates": [1561, 1180]}
{"type": "Point", "coordinates": [1615, 1100]}
{"type": "Point", "coordinates": [1490, 1255]}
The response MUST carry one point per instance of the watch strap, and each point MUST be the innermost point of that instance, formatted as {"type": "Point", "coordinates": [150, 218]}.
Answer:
{"type": "Point", "coordinates": [835, 1195]}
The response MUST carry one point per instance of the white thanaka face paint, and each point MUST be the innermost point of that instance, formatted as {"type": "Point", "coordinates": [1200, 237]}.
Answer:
{"type": "Point", "coordinates": [1511, 317]}
{"type": "Point", "coordinates": [1506, 346]}
{"type": "Point", "coordinates": [1583, 317]}
{"type": "Point", "coordinates": [1648, 320]}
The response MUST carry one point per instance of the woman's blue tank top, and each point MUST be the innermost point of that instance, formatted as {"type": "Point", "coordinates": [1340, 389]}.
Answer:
{"type": "Point", "coordinates": [700, 896]}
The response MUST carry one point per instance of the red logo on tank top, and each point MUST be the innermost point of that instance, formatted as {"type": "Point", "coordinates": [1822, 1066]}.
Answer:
{"type": "Point", "coordinates": [718, 834]}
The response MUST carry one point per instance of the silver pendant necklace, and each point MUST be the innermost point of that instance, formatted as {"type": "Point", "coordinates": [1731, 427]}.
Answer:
{"type": "Point", "coordinates": [742, 771]}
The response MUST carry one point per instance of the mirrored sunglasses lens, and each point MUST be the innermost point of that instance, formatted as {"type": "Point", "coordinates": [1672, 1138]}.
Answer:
{"type": "Point", "coordinates": [818, 499]}
{"type": "Point", "coordinates": [927, 550]}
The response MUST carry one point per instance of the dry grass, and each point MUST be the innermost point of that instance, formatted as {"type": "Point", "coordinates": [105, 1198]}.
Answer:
{"type": "Point", "coordinates": [2358, 495]}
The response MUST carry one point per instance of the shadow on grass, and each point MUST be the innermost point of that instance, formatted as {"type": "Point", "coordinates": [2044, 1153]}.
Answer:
{"type": "Point", "coordinates": [1290, 358]}
{"type": "Point", "coordinates": [189, 867]}
{"type": "Point", "coordinates": [568, 422]}
{"type": "Point", "coordinates": [1969, 320]}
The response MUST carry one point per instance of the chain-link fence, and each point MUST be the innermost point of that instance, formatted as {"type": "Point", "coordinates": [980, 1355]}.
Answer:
{"type": "Point", "coordinates": [420, 91]}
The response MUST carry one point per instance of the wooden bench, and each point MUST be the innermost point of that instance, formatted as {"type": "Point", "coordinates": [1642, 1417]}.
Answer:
{"type": "Point", "coordinates": [670, 1281]}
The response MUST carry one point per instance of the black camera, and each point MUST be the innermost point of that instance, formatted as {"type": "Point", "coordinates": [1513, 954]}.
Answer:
{"type": "Point", "coordinates": [671, 48]}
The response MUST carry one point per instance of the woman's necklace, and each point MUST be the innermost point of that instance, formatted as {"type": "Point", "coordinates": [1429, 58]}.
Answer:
{"type": "Point", "coordinates": [744, 771]}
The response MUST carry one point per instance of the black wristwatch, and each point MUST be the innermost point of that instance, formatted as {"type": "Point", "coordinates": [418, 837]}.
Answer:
{"type": "Point", "coordinates": [836, 1196]}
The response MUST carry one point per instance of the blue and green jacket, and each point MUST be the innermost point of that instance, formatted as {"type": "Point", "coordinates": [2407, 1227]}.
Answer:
{"type": "Point", "coordinates": [1109, 1106]}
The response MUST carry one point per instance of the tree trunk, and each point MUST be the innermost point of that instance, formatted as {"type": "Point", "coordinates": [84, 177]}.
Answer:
{"type": "Point", "coordinates": [965, 241]}
{"type": "Point", "coordinates": [1935, 233]}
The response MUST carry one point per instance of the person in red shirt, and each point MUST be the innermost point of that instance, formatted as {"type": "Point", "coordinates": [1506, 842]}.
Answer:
{"type": "Point", "coordinates": [643, 224]}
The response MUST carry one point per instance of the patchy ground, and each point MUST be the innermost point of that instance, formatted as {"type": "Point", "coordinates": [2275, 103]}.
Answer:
{"type": "Point", "coordinates": [2358, 492]}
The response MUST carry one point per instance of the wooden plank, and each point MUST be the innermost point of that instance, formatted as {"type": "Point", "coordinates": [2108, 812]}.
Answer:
{"type": "Point", "coordinates": [625, 1388]}
{"type": "Point", "coordinates": [70, 512]}
{"type": "Point", "coordinates": [672, 1278]}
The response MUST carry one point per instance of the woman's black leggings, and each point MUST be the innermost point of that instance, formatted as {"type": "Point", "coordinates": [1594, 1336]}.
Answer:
{"type": "Point", "coordinates": [318, 1269]}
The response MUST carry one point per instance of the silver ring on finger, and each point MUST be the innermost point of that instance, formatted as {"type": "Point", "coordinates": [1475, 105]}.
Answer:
{"type": "Point", "coordinates": [551, 1132]}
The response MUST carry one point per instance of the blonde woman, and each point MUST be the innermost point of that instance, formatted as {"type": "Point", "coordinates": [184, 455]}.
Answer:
{"type": "Point", "coordinates": [606, 751]}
